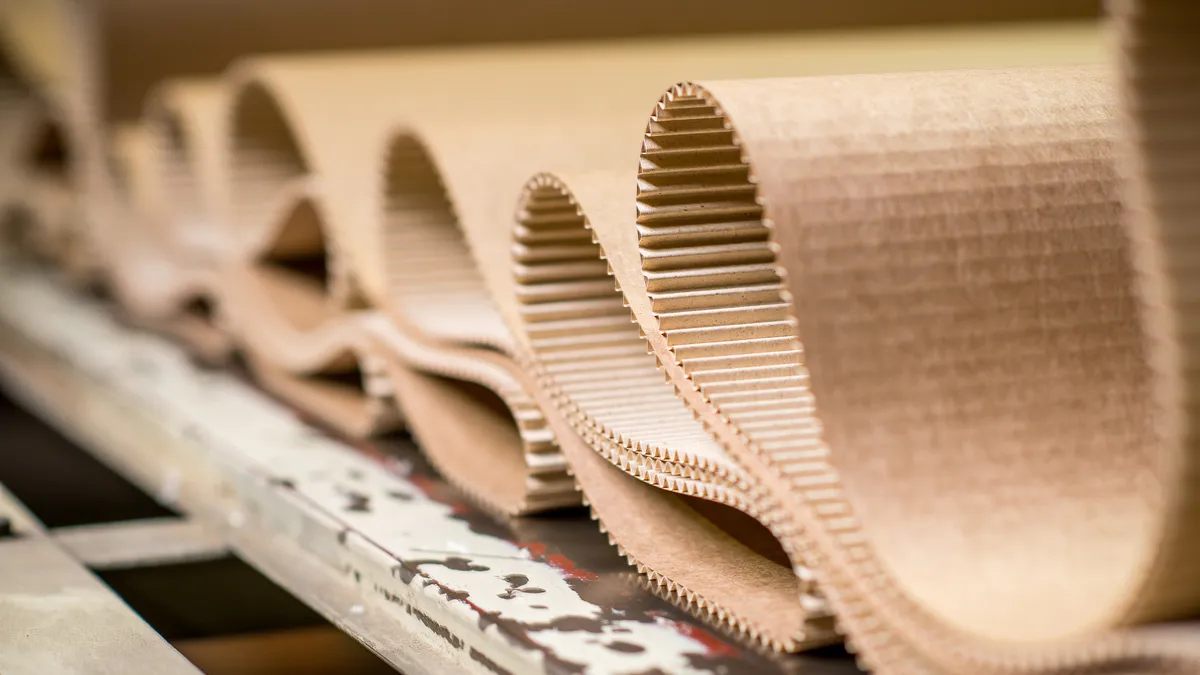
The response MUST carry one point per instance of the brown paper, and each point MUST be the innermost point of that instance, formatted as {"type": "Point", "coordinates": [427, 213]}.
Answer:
{"type": "Point", "coordinates": [927, 329]}
{"type": "Point", "coordinates": [155, 281]}
{"type": "Point", "coordinates": [443, 168]}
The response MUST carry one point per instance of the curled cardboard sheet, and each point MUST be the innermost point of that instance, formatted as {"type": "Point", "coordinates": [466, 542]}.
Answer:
{"type": "Point", "coordinates": [312, 346]}
{"type": "Point", "coordinates": [706, 285]}
{"type": "Point", "coordinates": [36, 199]}
{"type": "Point", "coordinates": [18, 117]}
{"type": "Point", "coordinates": [154, 280]}
{"type": "Point", "coordinates": [321, 321]}
{"type": "Point", "coordinates": [96, 62]}
{"type": "Point", "coordinates": [974, 379]}
{"type": "Point", "coordinates": [420, 229]}
{"type": "Point", "coordinates": [184, 118]}
{"type": "Point", "coordinates": [719, 302]}
{"type": "Point", "coordinates": [929, 330]}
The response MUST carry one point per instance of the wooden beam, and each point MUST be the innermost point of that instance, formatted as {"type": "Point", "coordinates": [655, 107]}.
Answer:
{"type": "Point", "coordinates": [55, 617]}
{"type": "Point", "coordinates": [141, 543]}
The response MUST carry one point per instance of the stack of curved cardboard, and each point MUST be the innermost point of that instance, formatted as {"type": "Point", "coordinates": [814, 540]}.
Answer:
{"type": "Point", "coordinates": [907, 359]}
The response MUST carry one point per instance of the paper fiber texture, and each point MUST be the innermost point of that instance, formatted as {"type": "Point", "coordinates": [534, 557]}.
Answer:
{"type": "Point", "coordinates": [929, 330]}
{"type": "Point", "coordinates": [156, 281]}
{"type": "Point", "coordinates": [96, 61]}
{"type": "Point", "coordinates": [444, 169]}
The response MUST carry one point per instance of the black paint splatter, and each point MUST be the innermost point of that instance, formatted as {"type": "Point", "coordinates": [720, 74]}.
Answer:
{"type": "Point", "coordinates": [625, 647]}
{"type": "Point", "coordinates": [452, 563]}
{"type": "Point", "coordinates": [487, 663]}
{"type": "Point", "coordinates": [577, 623]}
{"type": "Point", "coordinates": [437, 628]}
{"type": "Point", "coordinates": [358, 502]}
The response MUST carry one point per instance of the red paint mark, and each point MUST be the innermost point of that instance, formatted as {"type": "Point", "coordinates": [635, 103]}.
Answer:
{"type": "Point", "coordinates": [567, 567]}
{"type": "Point", "coordinates": [536, 550]}
{"type": "Point", "coordinates": [426, 485]}
{"type": "Point", "coordinates": [435, 490]}
{"type": "Point", "coordinates": [714, 646]}
{"type": "Point", "coordinates": [560, 562]}
{"type": "Point", "coordinates": [370, 451]}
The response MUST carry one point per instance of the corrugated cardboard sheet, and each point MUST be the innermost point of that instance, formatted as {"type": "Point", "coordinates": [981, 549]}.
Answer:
{"type": "Point", "coordinates": [883, 334]}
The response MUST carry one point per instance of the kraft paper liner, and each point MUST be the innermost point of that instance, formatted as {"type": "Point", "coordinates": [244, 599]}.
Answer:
{"type": "Point", "coordinates": [592, 362]}
{"type": "Point", "coordinates": [43, 159]}
{"type": "Point", "coordinates": [663, 537]}
{"type": "Point", "coordinates": [42, 41]}
{"type": "Point", "coordinates": [298, 340]}
{"type": "Point", "coordinates": [1013, 198]}
{"type": "Point", "coordinates": [98, 61]}
{"type": "Point", "coordinates": [1160, 69]}
{"type": "Point", "coordinates": [36, 175]}
{"type": "Point", "coordinates": [266, 172]}
{"type": "Point", "coordinates": [297, 328]}
{"type": "Point", "coordinates": [338, 404]}
{"type": "Point", "coordinates": [266, 157]}
{"type": "Point", "coordinates": [865, 641]}
{"type": "Point", "coordinates": [43, 211]}
{"type": "Point", "coordinates": [286, 124]}
{"type": "Point", "coordinates": [185, 117]}
{"type": "Point", "coordinates": [301, 134]}
{"type": "Point", "coordinates": [291, 148]}
{"type": "Point", "coordinates": [1044, 152]}
{"type": "Point", "coordinates": [693, 183]}
{"type": "Point", "coordinates": [266, 169]}
{"type": "Point", "coordinates": [437, 94]}
{"type": "Point", "coordinates": [51, 44]}
{"type": "Point", "coordinates": [63, 45]}
{"type": "Point", "coordinates": [182, 120]}
{"type": "Point", "coordinates": [654, 529]}
{"type": "Point", "coordinates": [433, 282]}
{"type": "Point", "coordinates": [471, 417]}
{"type": "Point", "coordinates": [345, 400]}
{"type": "Point", "coordinates": [18, 110]}
{"type": "Point", "coordinates": [154, 284]}
{"type": "Point", "coordinates": [403, 371]}
{"type": "Point", "coordinates": [20, 117]}
{"type": "Point", "coordinates": [415, 364]}
{"type": "Point", "coordinates": [419, 194]}
{"type": "Point", "coordinates": [511, 463]}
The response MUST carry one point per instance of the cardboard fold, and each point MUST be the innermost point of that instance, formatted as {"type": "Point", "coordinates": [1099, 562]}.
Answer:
{"type": "Point", "coordinates": [906, 352]}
